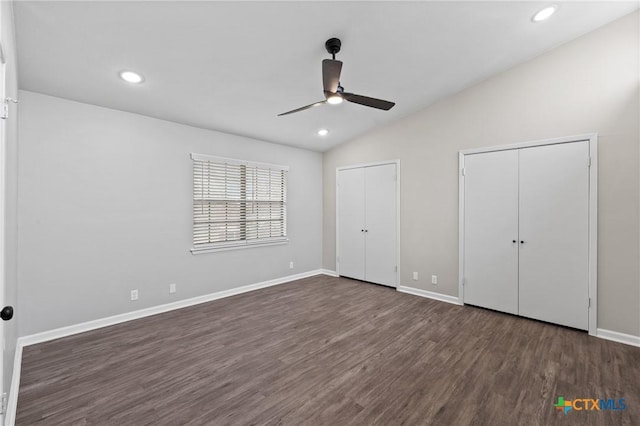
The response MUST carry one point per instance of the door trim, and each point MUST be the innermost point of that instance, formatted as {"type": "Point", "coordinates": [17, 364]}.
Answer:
{"type": "Point", "coordinates": [359, 166]}
{"type": "Point", "coordinates": [3, 214]}
{"type": "Point", "coordinates": [592, 138]}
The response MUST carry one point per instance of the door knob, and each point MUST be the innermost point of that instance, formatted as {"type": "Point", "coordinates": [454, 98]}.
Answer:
{"type": "Point", "coordinates": [6, 313]}
{"type": "Point", "coordinates": [514, 241]}
{"type": "Point", "coordinates": [362, 230]}
{"type": "Point", "coordinates": [521, 242]}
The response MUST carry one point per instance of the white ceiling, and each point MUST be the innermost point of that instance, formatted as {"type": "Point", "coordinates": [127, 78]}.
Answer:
{"type": "Point", "coordinates": [233, 66]}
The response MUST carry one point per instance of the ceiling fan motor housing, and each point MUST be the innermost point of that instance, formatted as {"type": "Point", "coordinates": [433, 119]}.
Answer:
{"type": "Point", "coordinates": [333, 45]}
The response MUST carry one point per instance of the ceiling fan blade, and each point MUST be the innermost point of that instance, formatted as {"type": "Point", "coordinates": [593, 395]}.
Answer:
{"type": "Point", "coordinates": [303, 108]}
{"type": "Point", "coordinates": [331, 74]}
{"type": "Point", "coordinates": [367, 101]}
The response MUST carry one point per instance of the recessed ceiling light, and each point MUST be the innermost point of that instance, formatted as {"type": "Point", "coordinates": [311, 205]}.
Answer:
{"type": "Point", "coordinates": [131, 77]}
{"type": "Point", "coordinates": [545, 13]}
{"type": "Point", "coordinates": [323, 132]}
{"type": "Point", "coordinates": [334, 100]}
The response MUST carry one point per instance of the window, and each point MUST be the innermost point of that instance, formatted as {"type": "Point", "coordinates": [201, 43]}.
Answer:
{"type": "Point", "coordinates": [237, 203]}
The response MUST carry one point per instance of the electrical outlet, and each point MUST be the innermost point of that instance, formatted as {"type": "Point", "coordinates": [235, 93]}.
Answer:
{"type": "Point", "coordinates": [172, 288]}
{"type": "Point", "coordinates": [434, 279]}
{"type": "Point", "coordinates": [415, 276]}
{"type": "Point", "coordinates": [291, 265]}
{"type": "Point", "coordinates": [134, 294]}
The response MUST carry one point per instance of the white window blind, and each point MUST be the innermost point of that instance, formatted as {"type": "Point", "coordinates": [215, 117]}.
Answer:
{"type": "Point", "coordinates": [237, 203]}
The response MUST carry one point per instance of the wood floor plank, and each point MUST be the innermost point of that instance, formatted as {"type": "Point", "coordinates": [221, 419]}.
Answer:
{"type": "Point", "coordinates": [326, 351]}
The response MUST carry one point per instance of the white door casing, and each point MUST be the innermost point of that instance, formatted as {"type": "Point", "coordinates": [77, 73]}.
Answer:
{"type": "Point", "coordinates": [540, 283]}
{"type": "Point", "coordinates": [3, 168]}
{"type": "Point", "coordinates": [368, 222]}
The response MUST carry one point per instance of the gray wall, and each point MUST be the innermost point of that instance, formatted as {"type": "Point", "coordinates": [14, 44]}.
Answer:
{"type": "Point", "coordinates": [105, 207]}
{"type": "Point", "coordinates": [587, 85]}
{"type": "Point", "coordinates": [11, 194]}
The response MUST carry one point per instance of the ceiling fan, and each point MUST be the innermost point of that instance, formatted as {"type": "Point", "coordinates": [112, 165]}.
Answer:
{"type": "Point", "coordinates": [333, 92]}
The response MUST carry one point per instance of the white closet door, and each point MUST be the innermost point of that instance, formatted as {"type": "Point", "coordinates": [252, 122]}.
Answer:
{"type": "Point", "coordinates": [491, 230]}
{"type": "Point", "coordinates": [351, 240]}
{"type": "Point", "coordinates": [554, 228]}
{"type": "Point", "coordinates": [380, 224]}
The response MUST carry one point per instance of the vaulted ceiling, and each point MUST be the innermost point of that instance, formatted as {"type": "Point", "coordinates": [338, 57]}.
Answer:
{"type": "Point", "coordinates": [233, 66]}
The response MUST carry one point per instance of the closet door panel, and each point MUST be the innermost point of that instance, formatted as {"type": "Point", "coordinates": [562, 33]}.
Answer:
{"type": "Point", "coordinates": [380, 224]}
{"type": "Point", "coordinates": [351, 205]}
{"type": "Point", "coordinates": [490, 228]}
{"type": "Point", "coordinates": [554, 228]}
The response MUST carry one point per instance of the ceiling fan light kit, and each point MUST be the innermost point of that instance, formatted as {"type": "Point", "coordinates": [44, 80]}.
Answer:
{"type": "Point", "coordinates": [333, 92]}
{"type": "Point", "coordinates": [334, 99]}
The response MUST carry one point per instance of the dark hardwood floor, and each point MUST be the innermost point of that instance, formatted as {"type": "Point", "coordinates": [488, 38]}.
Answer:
{"type": "Point", "coordinates": [327, 351]}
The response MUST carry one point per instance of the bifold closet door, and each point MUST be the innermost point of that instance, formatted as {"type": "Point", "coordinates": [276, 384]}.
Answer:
{"type": "Point", "coordinates": [380, 224]}
{"type": "Point", "coordinates": [367, 224]}
{"type": "Point", "coordinates": [351, 222]}
{"type": "Point", "coordinates": [554, 230]}
{"type": "Point", "coordinates": [491, 230]}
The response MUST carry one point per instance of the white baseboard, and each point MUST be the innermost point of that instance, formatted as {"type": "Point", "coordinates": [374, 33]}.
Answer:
{"type": "Point", "coordinates": [329, 272]}
{"type": "Point", "coordinates": [628, 339]}
{"type": "Point", "coordinates": [12, 403]}
{"type": "Point", "coordinates": [154, 310]}
{"type": "Point", "coordinates": [429, 294]}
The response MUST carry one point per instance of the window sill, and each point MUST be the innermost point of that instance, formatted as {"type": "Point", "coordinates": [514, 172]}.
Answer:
{"type": "Point", "coordinates": [215, 249]}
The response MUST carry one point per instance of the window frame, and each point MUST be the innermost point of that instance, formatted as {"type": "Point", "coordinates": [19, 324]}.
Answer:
{"type": "Point", "coordinates": [243, 243]}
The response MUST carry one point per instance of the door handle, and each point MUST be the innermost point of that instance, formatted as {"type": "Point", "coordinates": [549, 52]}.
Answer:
{"type": "Point", "coordinates": [514, 241]}
{"type": "Point", "coordinates": [521, 242]}
{"type": "Point", "coordinates": [6, 313]}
